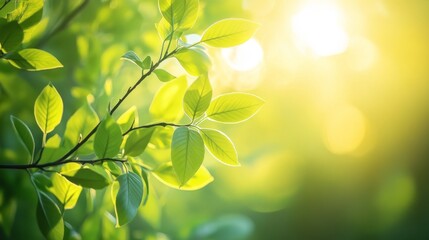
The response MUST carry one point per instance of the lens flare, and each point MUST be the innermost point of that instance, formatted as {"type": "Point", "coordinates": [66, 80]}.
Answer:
{"type": "Point", "coordinates": [318, 29]}
{"type": "Point", "coordinates": [244, 57]}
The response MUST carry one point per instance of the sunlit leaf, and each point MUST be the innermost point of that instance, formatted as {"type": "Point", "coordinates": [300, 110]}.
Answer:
{"type": "Point", "coordinates": [79, 125]}
{"type": "Point", "coordinates": [32, 59]}
{"type": "Point", "coordinates": [108, 138]}
{"type": "Point", "coordinates": [165, 106]}
{"type": "Point", "coordinates": [128, 198]}
{"type": "Point", "coordinates": [134, 58]}
{"type": "Point", "coordinates": [166, 175]}
{"type": "Point", "coordinates": [137, 141]}
{"type": "Point", "coordinates": [49, 217]}
{"type": "Point", "coordinates": [66, 192]}
{"type": "Point", "coordinates": [54, 149]}
{"type": "Point", "coordinates": [88, 177]}
{"type": "Point", "coordinates": [229, 32]}
{"type": "Point", "coordinates": [234, 107]}
{"type": "Point", "coordinates": [187, 153]}
{"type": "Point", "coordinates": [161, 138]}
{"type": "Point", "coordinates": [197, 97]}
{"type": "Point", "coordinates": [28, 13]}
{"type": "Point", "coordinates": [24, 134]}
{"type": "Point", "coordinates": [195, 61]}
{"type": "Point", "coordinates": [163, 75]}
{"type": "Point", "coordinates": [181, 14]}
{"type": "Point", "coordinates": [11, 35]}
{"type": "Point", "coordinates": [164, 29]}
{"type": "Point", "coordinates": [113, 168]}
{"type": "Point", "coordinates": [220, 146]}
{"type": "Point", "coordinates": [128, 119]}
{"type": "Point", "coordinates": [48, 109]}
{"type": "Point", "coordinates": [147, 62]}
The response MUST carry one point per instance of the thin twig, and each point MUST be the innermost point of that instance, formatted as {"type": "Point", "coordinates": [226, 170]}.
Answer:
{"type": "Point", "coordinates": [52, 164]}
{"type": "Point", "coordinates": [161, 124]}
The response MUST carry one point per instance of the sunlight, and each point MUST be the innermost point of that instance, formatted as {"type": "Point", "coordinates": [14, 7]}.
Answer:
{"type": "Point", "coordinates": [318, 29]}
{"type": "Point", "coordinates": [244, 57]}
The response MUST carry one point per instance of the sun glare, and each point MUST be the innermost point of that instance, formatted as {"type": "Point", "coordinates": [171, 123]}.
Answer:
{"type": "Point", "coordinates": [244, 57]}
{"type": "Point", "coordinates": [318, 29]}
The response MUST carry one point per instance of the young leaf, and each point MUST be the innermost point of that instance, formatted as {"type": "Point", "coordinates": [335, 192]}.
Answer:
{"type": "Point", "coordinates": [108, 139]}
{"type": "Point", "coordinates": [128, 198]}
{"type": "Point", "coordinates": [128, 119]}
{"type": "Point", "coordinates": [28, 13]}
{"type": "Point", "coordinates": [11, 35]}
{"type": "Point", "coordinates": [229, 32]}
{"type": "Point", "coordinates": [66, 192]}
{"type": "Point", "coordinates": [48, 109]}
{"type": "Point", "coordinates": [164, 29]}
{"type": "Point", "coordinates": [137, 141]}
{"type": "Point", "coordinates": [165, 174]}
{"type": "Point", "coordinates": [79, 125]}
{"type": "Point", "coordinates": [24, 134]}
{"type": "Point", "coordinates": [54, 149]}
{"type": "Point", "coordinates": [181, 14]}
{"type": "Point", "coordinates": [147, 62]}
{"type": "Point", "coordinates": [220, 146]}
{"type": "Point", "coordinates": [163, 75]}
{"type": "Point", "coordinates": [134, 58]}
{"type": "Point", "coordinates": [32, 59]}
{"type": "Point", "coordinates": [234, 107]}
{"type": "Point", "coordinates": [49, 217]}
{"type": "Point", "coordinates": [187, 153]}
{"type": "Point", "coordinates": [197, 97]}
{"type": "Point", "coordinates": [165, 106]}
{"type": "Point", "coordinates": [88, 177]}
{"type": "Point", "coordinates": [195, 61]}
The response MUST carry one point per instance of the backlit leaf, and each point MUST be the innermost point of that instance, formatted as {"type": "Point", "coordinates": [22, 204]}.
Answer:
{"type": "Point", "coordinates": [137, 141]}
{"type": "Point", "coordinates": [181, 14]}
{"type": "Point", "coordinates": [108, 139]}
{"type": "Point", "coordinates": [220, 146]}
{"type": "Point", "coordinates": [49, 217]}
{"type": "Point", "coordinates": [128, 198]}
{"type": "Point", "coordinates": [28, 13]}
{"type": "Point", "coordinates": [165, 106]}
{"type": "Point", "coordinates": [24, 134]}
{"type": "Point", "coordinates": [66, 192]}
{"type": "Point", "coordinates": [187, 153]}
{"type": "Point", "coordinates": [128, 119]}
{"type": "Point", "coordinates": [32, 59]}
{"type": "Point", "coordinates": [195, 61]}
{"type": "Point", "coordinates": [48, 109]}
{"type": "Point", "coordinates": [163, 75]}
{"type": "Point", "coordinates": [54, 149]}
{"type": "Point", "coordinates": [133, 57]}
{"type": "Point", "coordinates": [234, 107]}
{"type": "Point", "coordinates": [166, 175]}
{"type": "Point", "coordinates": [229, 32]}
{"type": "Point", "coordinates": [197, 97]}
{"type": "Point", "coordinates": [88, 177]}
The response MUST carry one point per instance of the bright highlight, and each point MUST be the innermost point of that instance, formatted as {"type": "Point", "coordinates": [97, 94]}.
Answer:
{"type": "Point", "coordinates": [244, 57]}
{"type": "Point", "coordinates": [318, 28]}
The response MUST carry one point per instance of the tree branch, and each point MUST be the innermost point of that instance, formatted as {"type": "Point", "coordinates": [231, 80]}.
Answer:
{"type": "Point", "coordinates": [52, 164]}
{"type": "Point", "coordinates": [161, 124]}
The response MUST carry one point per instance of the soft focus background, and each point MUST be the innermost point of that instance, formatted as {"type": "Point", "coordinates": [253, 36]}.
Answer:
{"type": "Point", "coordinates": [339, 150]}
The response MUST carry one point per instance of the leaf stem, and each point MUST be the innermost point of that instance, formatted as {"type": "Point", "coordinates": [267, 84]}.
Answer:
{"type": "Point", "coordinates": [161, 124]}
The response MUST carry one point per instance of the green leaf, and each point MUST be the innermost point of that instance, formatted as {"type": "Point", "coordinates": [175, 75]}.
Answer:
{"type": "Point", "coordinates": [147, 62]}
{"type": "Point", "coordinates": [24, 134]}
{"type": "Point", "coordinates": [48, 109]}
{"type": "Point", "coordinates": [108, 138]}
{"type": "Point", "coordinates": [113, 168]}
{"type": "Point", "coordinates": [54, 149]}
{"type": "Point", "coordinates": [165, 106]}
{"type": "Point", "coordinates": [229, 32]}
{"type": "Point", "coordinates": [163, 75]}
{"type": "Point", "coordinates": [70, 233]}
{"type": "Point", "coordinates": [197, 97]}
{"type": "Point", "coordinates": [128, 198]}
{"type": "Point", "coordinates": [88, 177]}
{"type": "Point", "coordinates": [134, 58]}
{"type": "Point", "coordinates": [49, 217]}
{"type": "Point", "coordinates": [161, 138]}
{"type": "Point", "coordinates": [187, 153]}
{"type": "Point", "coordinates": [220, 146]}
{"type": "Point", "coordinates": [165, 174]}
{"type": "Point", "coordinates": [234, 107]}
{"type": "Point", "coordinates": [137, 141]}
{"type": "Point", "coordinates": [79, 125]}
{"type": "Point", "coordinates": [128, 119]}
{"type": "Point", "coordinates": [32, 59]}
{"type": "Point", "coordinates": [195, 61]}
{"type": "Point", "coordinates": [163, 28]}
{"type": "Point", "coordinates": [11, 35]}
{"type": "Point", "coordinates": [28, 13]}
{"type": "Point", "coordinates": [181, 14]}
{"type": "Point", "coordinates": [66, 192]}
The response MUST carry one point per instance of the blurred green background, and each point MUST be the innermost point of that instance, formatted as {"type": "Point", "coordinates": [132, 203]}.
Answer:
{"type": "Point", "coordinates": [339, 150]}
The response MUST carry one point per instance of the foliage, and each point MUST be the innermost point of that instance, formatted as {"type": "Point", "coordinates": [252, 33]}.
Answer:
{"type": "Point", "coordinates": [89, 150]}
